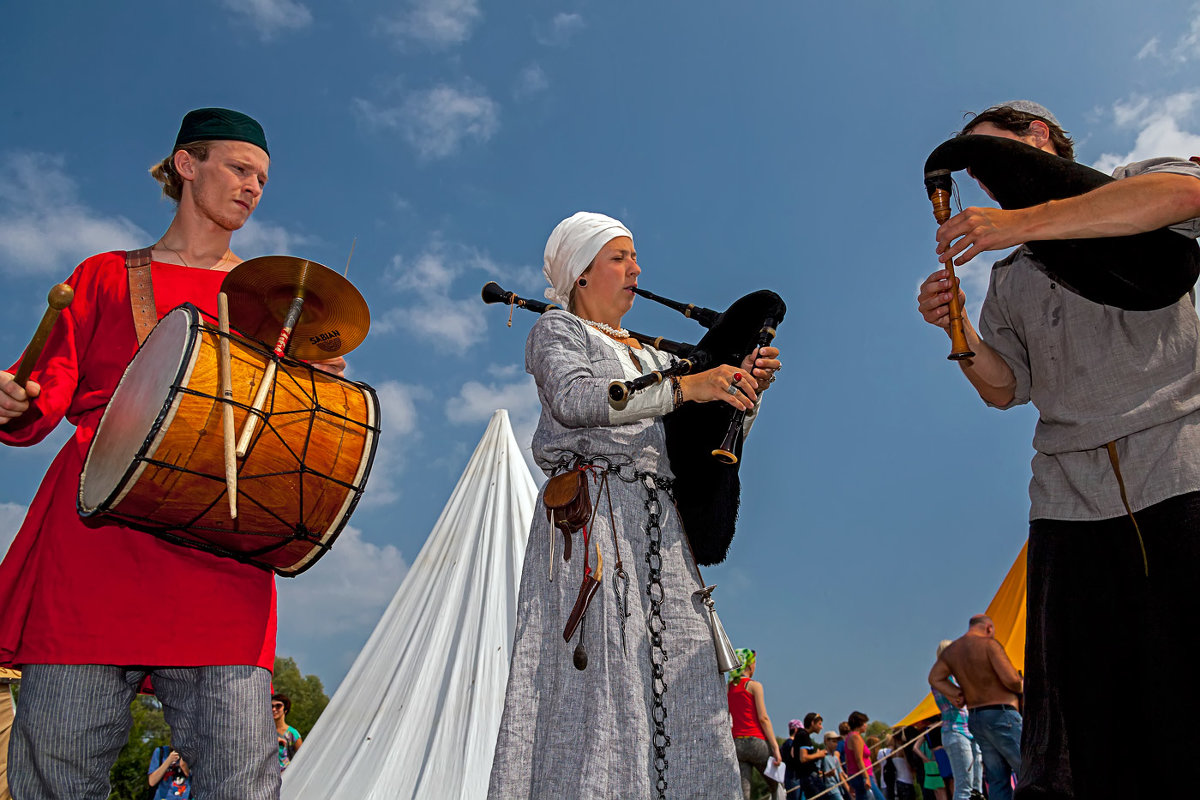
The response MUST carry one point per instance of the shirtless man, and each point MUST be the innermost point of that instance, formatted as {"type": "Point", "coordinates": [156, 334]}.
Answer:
{"type": "Point", "coordinates": [989, 686]}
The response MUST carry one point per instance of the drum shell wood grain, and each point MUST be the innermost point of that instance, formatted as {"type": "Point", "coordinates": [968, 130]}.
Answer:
{"type": "Point", "coordinates": [297, 485]}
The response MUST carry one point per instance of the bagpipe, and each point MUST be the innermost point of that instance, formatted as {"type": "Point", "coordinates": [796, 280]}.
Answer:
{"type": "Point", "coordinates": [707, 484]}
{"type": "Point", "coordinates": [1139, 272]}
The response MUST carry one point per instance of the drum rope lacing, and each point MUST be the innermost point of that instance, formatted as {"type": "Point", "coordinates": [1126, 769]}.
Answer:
{"type": "Point", "coordinates": [269, 418]}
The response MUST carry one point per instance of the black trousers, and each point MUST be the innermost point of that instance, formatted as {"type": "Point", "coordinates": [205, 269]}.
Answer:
{"type": "Point", "coordinates": [1106, 648]}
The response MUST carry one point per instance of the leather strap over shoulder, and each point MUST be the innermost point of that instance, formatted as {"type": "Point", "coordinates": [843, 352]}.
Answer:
{"type": "Point", "coordinates": [141, 292]}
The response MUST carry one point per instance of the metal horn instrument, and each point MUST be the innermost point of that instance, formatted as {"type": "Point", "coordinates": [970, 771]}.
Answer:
{"type": "Point", "coordinates": [727, 657]}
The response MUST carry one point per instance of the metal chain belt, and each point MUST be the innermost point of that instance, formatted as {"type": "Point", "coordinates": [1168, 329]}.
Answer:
{"type": "Point", "coordinates": [653, 484]}
{"type": "Point", "coordinates": [654, 623]}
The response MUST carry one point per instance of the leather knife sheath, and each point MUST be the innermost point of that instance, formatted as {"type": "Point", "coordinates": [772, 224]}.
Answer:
{"type": "Point", "coordinates": [587, 590]}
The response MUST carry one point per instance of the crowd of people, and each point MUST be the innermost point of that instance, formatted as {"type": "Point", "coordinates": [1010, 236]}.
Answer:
{"type": "Point", "coordinates": [848, 764]}
{"type": "Point", "coordinates": [974, 741]}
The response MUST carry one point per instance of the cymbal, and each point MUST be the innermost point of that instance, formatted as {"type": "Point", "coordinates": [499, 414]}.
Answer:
{"type": "Point", "coordinates": [335, 318]}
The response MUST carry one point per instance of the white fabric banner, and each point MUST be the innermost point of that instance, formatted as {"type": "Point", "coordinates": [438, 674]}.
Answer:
{"type": "Point", "coordinates": [418, 712]}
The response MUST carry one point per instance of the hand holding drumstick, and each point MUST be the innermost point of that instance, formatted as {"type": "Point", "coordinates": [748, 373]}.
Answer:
{"type": "Point", "coordinates": [14, 400]}
{"type": "Point", "coordinates": [17, 390]}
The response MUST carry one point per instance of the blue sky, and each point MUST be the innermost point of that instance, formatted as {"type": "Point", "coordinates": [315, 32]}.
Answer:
{"type": "Point", "coordinates": [751, 145]}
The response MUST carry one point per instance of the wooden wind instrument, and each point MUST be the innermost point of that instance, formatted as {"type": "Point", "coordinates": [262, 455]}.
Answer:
{"type": "Point", "coordinates": [959, 349]}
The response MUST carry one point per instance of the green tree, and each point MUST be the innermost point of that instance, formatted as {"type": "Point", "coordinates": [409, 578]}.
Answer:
{"type": "Point", "coordinates": [149, 731]}
{"type": "Point", "coordinates": [305, 691]}
{"type": "Point", "coordinates": [877, 728]}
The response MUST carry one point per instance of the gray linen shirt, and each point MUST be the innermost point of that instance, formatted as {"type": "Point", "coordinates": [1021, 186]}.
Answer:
{"type": "Point", "coordinates": [1098, 374]}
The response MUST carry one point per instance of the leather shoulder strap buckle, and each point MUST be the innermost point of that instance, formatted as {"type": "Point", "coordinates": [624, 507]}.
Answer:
{"type": "Point", "coordinates": [141, 292]}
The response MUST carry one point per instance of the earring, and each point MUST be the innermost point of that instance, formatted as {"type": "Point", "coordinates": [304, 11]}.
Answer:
{"type": "Point", "coordinates": [582, 281]}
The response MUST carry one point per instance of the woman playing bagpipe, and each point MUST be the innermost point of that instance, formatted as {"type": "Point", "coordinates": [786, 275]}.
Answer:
{"type": "Point", "coordinates": [1093, 320]}
{"type": "Point", "coordinates": [614, 689]}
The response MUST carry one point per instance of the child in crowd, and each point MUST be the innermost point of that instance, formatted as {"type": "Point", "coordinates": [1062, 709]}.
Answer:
{"type": "Point", "coordinates": [830, 769]}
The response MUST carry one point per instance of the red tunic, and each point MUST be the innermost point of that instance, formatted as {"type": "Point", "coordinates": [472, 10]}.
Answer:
{"type": "Point", "coordinates": [743, 712]}
{"type": "Point", "coordinates": [106, 594]}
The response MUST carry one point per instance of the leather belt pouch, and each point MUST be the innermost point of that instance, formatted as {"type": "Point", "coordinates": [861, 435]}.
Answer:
{"type": "Point", "coordinates": [568, 505]}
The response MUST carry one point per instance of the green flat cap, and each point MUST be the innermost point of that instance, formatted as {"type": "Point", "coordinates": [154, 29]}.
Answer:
{"type": "Point", "coordinates": [207, 124]}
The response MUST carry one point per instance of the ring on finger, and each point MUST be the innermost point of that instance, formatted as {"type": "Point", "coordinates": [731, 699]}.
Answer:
{"type": "Point", "coordinates": [731, 389]}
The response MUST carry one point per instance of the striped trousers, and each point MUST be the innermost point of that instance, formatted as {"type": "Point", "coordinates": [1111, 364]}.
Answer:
{"type": "Point", "coordinates": [73, 719]}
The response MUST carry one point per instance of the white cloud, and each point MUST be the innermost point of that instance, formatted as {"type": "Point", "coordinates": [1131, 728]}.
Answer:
{"type": "Point", "coordinates": [430, 272]}
{"type": "Point", "coordinates": [435, 23]}
{"type": "Point", "coordinates": [476, 401]}
{"type": "Point", "coordinates": [11, 517]}
{"type": "Point", "coordinates": [432, 313]}
{"type": "Point", "coordinates": [530, 81]}
{"type": "Point", "coordinates": [271, 17]}
{"type": "Point", "coordinates": [398, 413]}
{"type": "Point", "coordinates": [1188, 46]}
{"type": "Point", "coordinates": [45, 229]}
{"type": "Point", "coordinates": [346, 590]}
{"type": "Point", "coordinates": [257, 238]}
{"type": "Point", "coordinates": [1161, 126]}
{"type": "Point", "coordinates": [436, 122]}
{"type": "Point", "coordinates": [449, 324]}
{"type": "Point", "coordinates": [561, 28]}
{"type": "Point", "coordinates": [503, 371]}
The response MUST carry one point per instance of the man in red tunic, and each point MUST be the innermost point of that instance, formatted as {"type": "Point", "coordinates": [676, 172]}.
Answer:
{"type": "Point", "coordinates": [75, 617]}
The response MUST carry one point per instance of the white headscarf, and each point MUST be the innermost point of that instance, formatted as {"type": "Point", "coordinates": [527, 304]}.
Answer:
{"type": "Point", "coordinates": [572, 245]}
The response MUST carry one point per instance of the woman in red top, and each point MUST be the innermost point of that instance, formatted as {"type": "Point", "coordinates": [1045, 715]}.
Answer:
{"type": "Point", "coordinates": [753, 737]}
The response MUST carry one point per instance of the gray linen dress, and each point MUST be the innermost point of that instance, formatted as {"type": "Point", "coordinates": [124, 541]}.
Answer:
{"type": "Point", "coordinates": [567, 733]}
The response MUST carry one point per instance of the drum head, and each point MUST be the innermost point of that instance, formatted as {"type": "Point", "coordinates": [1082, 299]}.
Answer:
{"type": "Point", "coordinates": [137, 411]}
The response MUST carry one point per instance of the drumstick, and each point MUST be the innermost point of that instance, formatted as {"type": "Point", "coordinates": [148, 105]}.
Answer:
{"type": "Point", "coordinates": [260, 398]}
{"type": "Point", "coordinates": [227, 411]}
{"type": "Point", "coordinates": [59, 298]}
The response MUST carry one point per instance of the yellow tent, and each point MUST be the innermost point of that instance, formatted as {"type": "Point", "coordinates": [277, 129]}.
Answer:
{"type": "Point", "coordinates": [1007, 610]}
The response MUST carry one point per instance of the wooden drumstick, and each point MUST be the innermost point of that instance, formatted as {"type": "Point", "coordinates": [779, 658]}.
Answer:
{"type": "Point", "coordinates": [59, 298]}
{"type": "Point", "coordinates": [959, 349]}
{"type": "Point", "coordinates": [226, 376]}
{"type": "Point", "coordinates": [260, 398]}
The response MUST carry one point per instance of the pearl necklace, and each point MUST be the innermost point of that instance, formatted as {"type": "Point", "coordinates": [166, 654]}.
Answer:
{"type": "Point", "coordinates": [616, 333]}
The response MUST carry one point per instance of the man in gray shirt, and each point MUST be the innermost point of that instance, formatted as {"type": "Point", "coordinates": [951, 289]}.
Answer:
{"type": "Point", "coordinates": [1114, 544]}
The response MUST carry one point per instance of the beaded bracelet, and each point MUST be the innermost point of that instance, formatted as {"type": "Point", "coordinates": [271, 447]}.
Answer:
{"type": "Point", "coordinates": [676, 391]}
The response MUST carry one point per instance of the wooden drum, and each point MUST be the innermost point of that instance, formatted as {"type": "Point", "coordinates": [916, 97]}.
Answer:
{"type": "Point", "coordinates": [157, 461]}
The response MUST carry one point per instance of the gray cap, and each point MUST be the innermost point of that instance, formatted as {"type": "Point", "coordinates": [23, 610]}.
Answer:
{"type": "Point", "coordinates": [1028, 107]}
